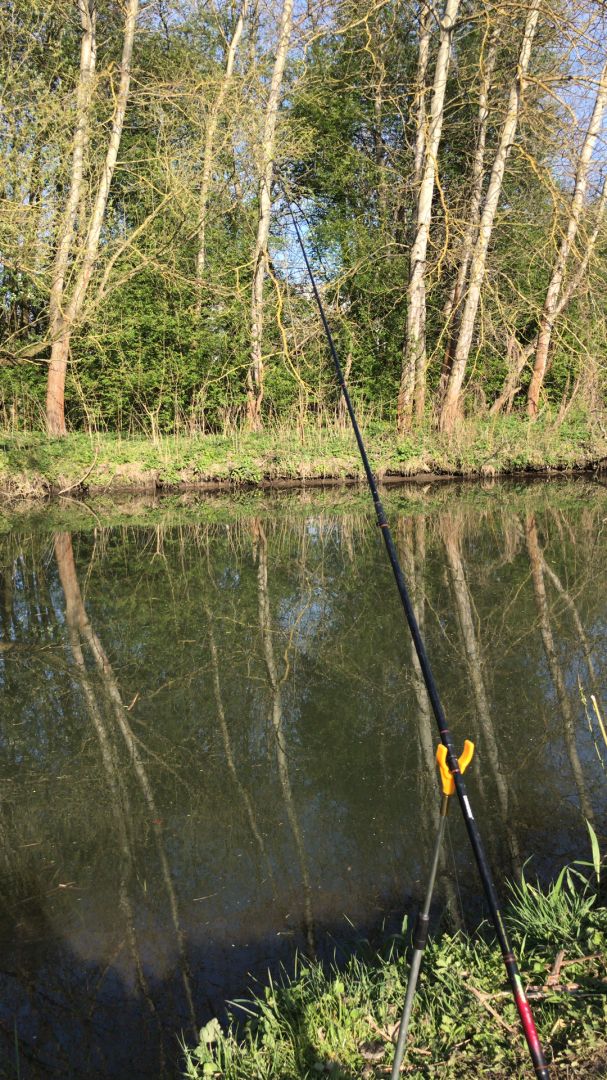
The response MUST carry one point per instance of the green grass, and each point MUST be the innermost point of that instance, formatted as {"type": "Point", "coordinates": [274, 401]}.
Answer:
{"type": "Point", "coordinates": [341, 1022]}
{"type": "Point", "coordinates": [33, 465]}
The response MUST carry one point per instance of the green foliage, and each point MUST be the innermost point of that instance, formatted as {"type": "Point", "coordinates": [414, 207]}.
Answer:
{"type": "Point", "coordinates": [32, 464]}
{"type": "Point", "coordinates": [340, 1021]}
{"type": "Point", "coordinates": [158, 350]}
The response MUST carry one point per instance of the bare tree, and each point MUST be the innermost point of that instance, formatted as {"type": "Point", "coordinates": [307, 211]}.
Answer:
{"type": "Point", "coordinates": [209, 146]}
{"type": "Point", "coordinates": [477, 177]}
{"type": "Point", "coordinates": [276, 684]}
{"type": "Point", "coordinates": [451, 403]}
{"type": "Point", "coordinates": [255, 375]}
{"type": "Point", "coordinates": [556, 673]}
{"type": "Point", "coordinates": [72, 272]}
{"type": "Point", "coordinates": [551, 303]}
{"type": "Point", "coordinates": [413, 375]}
{"type": "Point", "coordinates": [451, 529]}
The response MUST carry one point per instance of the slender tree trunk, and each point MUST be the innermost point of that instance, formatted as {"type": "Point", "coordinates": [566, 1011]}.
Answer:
{"type": "Point", "coordinates": [411, 540]}
{"type": "Point", "coordinates": [518, 356]}
{"type": "Point", "coordinates": [209, 144]}
{"type": "Point", "coordinates": [452, 308]}
{"type": "Point", "coordinates": [276, 685]}
{"type": "Point", "coordinates": [413, 377]}
{"type": "Point", "coordinates": [59, 334]}
{"type": "Point", "coordinates": [451, 403]}
{"type": "Point", "coordinates": [423, 55]}
{"type": "Point", "coordinates": [549, 313]}
{"type": "Point", "coordinates": [255, 376]}
{"type": "Point", "coordinates": [66, 313]}
{"type": "Point", "coordinates": [475, 665]}
{"type": "Point", "coordinates": [556, 673]}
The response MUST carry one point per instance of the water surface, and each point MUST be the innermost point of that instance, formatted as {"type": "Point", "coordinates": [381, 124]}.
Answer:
{"type": "Point", "coordinates": [216, 748]}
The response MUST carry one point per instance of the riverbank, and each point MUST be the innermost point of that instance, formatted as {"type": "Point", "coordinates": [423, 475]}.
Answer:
{"type": "Point", "coordinates": [34, 466]}
{"type": "Point", "coordinates": [342, 1022]}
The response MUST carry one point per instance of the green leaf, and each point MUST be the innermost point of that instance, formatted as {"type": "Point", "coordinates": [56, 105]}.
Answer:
{"type": "Point", "coordinates": [596, 854]}
{"type": "Point", "coordinates": [211, 1032]}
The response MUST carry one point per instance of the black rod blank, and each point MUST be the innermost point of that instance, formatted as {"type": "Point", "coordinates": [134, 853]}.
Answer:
{"type": "Point", "coordinates": [525, 1015]}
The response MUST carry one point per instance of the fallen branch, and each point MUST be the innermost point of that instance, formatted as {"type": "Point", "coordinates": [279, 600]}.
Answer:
{"type": "Point", "coordinates": [482, 998]}
{"type": "Point", "coordinates": [79, 482]}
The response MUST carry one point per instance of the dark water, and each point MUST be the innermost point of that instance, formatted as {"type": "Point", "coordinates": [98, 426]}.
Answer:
{"type": "Point", "coordinates": [215, 748]}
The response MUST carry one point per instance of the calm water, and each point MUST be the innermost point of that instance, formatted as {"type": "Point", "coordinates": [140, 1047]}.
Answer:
{"type": "Point", "coordinates": [215, 748]}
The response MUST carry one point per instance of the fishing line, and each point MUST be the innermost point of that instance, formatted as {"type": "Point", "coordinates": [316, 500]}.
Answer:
{"type": "Point", "coordinates": [520, 998]}
{"type": "Point", "coordinates": [460, 899]}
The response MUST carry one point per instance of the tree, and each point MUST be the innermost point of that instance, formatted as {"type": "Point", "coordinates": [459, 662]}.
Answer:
{"type": "Point", "coordinates": [255, 376]}
{"type": "Point", "coordinates": [414, 363]}
{"type": "Point", "coordinates": [79, 232]}
{"type": "Point", "coordinates": [477, 178]}
{"type": "Point", "coordinates": [450, 405]}
{"type": "Point", "coordinates": [209, 145]}
{"type": "Point", "coordinates": [551, 304]}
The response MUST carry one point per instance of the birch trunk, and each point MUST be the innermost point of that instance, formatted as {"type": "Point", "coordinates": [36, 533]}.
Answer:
{"type": "Point", "coordinates": [554, 666]}
{"type": "Point", "coordinates": [276, 684]}
{"type": "Point", "coordinates": [451, 403]}
{"type": "Point", "coordinates": [422, 74]}
{"type": "Point", "coordinates": [549, 313]}
{"type": "Point", "coordinates": [66, 313]}
{"type": "Point", "coordinates": [452, 308]}
{"type": "Point", "coordinates": [55, 411]}
{"type": "Point", "coordinates": [81, 624]}
{"type": "Point", "coordinates": [255, 376]}
{"type": "Point", "coordinates": [209, 143]}
{"type": "Point", "coordinates": [413, 375]}
{"type": "Point", "coordinates": [511, 383]}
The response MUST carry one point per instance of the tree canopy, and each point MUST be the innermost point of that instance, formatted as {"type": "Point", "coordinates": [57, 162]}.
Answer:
{"type": "Point", "coordinates": [447, 164]}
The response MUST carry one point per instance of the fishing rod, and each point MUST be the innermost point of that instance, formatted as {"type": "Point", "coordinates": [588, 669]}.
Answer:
{"type": "Point", "coordinates": [420, 936]}
{"type": "Point", "coordinates": [518, 991]}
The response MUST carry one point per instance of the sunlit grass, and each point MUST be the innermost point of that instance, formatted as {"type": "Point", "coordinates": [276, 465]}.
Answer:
{"type": "Point", "coordinates": [341, 1022]}
{"type": "Point", "coordinates": [32, 464]}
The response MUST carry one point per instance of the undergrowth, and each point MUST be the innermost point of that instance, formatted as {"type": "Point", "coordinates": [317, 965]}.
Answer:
{"type": "Point", "coordinates": [342, 1022]}
{"type": "Point", "coordinates": [32, 464]}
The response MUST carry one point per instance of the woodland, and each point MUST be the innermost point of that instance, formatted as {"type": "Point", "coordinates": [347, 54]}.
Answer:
{"type": "Point", "coordinates": [446, 164]}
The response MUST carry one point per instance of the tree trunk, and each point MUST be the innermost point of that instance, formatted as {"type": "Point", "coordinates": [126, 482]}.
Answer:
{"type": "Point", "coordinates": [451, 403]}
{"type": "Point", "coordinates": [55, 386]}
{"type": "Point", "coordinates": [209, 142]}
{"type": "Point", "coordinates": [55, 393]}
{"type": "Point", "coordinates": [63, 312]}
{"type": "Point", "coordinates": [549, 313]}
{"type": "Point", "coordinates": [413, 377]}
{"type": "Point", "coordinates": [519, 356]}
{"type": "Point", "coordinates": [276, 716]}
{"type": "Point", "coordinates": [452, 308]}
{"type": "Point", "coordinates": [554, 666]}
{"type": "Point", "coordinates": [423, 55]}
{"type": "Point", "coordinates": [255, 376]}
{"type": "Point", "coordinates": [474, 661]}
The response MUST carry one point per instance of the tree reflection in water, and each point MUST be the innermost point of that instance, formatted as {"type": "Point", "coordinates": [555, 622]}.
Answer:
{"type": "Point", "coordinates": [217, 749]}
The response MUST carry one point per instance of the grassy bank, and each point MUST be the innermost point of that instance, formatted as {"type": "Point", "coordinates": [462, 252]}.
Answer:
{"type": "Point", "coordinates": [342, 1022]}
{"type": "Point", "coordinates": [31, 465]}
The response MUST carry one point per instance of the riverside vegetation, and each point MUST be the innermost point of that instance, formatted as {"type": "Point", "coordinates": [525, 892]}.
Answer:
{"type": "Point", "coordinates": [449, 167]}
{"type": "Point", "coordinates": [32, 464]}
{"type": "Point", "coordinates": [342, 1021]}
